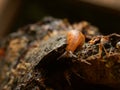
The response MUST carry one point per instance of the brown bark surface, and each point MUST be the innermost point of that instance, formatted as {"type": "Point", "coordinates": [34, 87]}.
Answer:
{"type": "Point", "coordinates": [31, 58]}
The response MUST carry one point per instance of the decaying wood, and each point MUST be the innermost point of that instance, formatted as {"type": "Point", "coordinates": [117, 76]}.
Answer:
{"type": "Point", "coordinates": [31, 58]}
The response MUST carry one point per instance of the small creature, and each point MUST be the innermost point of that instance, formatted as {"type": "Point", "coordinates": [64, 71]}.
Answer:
{"type": "Point", "coordinates": [75, 39]}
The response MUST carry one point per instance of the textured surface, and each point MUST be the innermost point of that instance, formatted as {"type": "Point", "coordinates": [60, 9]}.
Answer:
{"type": "Point", "coordinates": [31, 58]}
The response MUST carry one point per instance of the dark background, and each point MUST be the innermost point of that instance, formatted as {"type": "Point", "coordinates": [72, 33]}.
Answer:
{"type": "Point", "coordinates": [31, 11]}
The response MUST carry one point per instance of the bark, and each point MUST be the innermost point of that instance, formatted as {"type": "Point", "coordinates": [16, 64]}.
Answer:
{"type": "Point", "coordinates": [33, 59]}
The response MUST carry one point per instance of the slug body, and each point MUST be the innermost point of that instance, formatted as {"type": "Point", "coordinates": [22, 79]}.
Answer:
{"type": "Point", "coordinates": [75, 39]}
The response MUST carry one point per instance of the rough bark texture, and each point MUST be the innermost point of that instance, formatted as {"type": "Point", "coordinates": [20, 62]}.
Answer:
{"type": "Point", "coordinates": [30, 58]}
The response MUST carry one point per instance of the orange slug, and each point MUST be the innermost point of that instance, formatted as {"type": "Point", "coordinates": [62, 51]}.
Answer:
{"type": "Point", "coordinates": [75, 39]}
